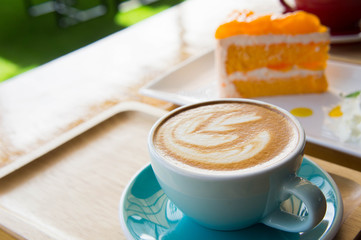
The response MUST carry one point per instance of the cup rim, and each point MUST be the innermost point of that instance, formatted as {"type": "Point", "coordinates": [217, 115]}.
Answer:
{"type": "Point", "coordinates": [299, 148]}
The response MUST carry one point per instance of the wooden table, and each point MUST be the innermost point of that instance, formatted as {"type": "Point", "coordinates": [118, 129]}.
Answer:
{"type": "Point", "coordinates": [66, 125]}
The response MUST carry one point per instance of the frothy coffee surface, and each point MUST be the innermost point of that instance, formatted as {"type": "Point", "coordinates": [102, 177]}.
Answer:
{"type": "Point", "coordinates": [226, 136]}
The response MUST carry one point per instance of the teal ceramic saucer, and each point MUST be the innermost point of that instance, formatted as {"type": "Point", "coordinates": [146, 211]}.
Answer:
{"type": "Point", "coordinates": [146, 212]}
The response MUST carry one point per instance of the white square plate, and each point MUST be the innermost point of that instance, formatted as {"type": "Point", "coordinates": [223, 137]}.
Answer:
{"type": "Point", "coordinates": [195, 80]}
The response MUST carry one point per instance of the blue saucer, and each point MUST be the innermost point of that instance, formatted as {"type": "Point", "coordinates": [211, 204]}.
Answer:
{"type": "Point", "coordinates": [147, 213]}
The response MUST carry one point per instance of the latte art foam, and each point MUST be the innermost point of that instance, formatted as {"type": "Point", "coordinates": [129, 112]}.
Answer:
{"type": "Point", "coordinates": [226, 136]}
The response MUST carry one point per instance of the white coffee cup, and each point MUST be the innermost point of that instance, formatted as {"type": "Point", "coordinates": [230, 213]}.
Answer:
{"type": "Point", "coordinates": [225, 199]}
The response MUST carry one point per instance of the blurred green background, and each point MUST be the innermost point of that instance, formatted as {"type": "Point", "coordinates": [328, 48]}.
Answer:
{"type": "Point", "coordinates": [29, 41]}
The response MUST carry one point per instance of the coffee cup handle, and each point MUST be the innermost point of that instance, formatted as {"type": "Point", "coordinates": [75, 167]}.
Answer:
{"type": "Point", "coordinates": [313, 199]}
{"type": "Point", "coordinates": [287, 7]}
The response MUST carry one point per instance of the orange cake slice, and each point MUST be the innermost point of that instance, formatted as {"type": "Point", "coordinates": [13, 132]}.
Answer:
{"type": "Point", "coordinates": [271, 54]}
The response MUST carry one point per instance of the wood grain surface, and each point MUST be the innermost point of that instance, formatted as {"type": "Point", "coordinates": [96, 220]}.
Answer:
{"type": "Point", "coordinates": [73, 192]}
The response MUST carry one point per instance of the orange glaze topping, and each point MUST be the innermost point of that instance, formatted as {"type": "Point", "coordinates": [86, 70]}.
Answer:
{"type": "Point", "coordinates": [246, 22]}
